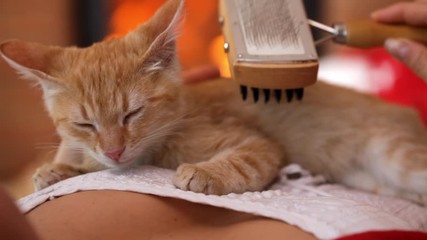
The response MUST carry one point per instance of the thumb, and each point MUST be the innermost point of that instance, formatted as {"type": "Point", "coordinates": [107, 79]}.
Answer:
{"type": "Point", "coordinates": [410, 53]}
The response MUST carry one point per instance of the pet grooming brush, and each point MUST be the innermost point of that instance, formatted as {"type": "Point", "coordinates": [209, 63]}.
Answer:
{"type": "Point", "coordinates": [271, 51]}
{"type": "Point", "coordinates": [269, 46]}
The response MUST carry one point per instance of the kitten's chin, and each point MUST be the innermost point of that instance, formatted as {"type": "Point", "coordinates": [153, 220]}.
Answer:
{"type": "Point", "coordinates": [118, 164]}
{"type": "Point", "coordinates": [124, 162]}
{"type": "Point", "coordinates": [122, 165]}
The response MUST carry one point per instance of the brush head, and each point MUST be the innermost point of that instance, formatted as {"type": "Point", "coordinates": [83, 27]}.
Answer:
{"type": "Point", "coordinates": [270, 47]}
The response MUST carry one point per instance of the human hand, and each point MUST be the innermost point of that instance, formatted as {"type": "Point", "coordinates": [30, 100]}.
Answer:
{"type": "Point", "coordinates": [409, 52]}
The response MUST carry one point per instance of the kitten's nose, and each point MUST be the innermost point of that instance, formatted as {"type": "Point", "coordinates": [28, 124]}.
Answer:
{"type": "Point", "coordinates": [115, 154]}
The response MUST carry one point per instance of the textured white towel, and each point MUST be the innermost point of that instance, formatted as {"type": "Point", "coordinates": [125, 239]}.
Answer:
{"type": "Point", "coordinates": [328, 211]}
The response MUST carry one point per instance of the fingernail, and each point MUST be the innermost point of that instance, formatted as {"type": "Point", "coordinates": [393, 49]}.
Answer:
{"type": "Point", "coordinates": [375, 15]}
{"type": "Point", "coordinates": [396, 47]}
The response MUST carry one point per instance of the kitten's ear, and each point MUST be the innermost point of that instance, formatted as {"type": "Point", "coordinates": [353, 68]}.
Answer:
{"type": "Point", "coordinates": [163, 28]}
{"type": "Point", "coordinates": [31, 60]}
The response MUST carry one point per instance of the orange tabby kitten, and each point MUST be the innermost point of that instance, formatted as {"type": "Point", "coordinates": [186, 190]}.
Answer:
{"type": "Point", "coordinates": [121, 102]}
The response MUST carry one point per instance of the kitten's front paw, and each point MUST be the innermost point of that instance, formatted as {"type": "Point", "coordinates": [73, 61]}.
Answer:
{"type": "Point", "coordinates": [196, 178]}
{"type": "Point", "coordinates": [52, 173]}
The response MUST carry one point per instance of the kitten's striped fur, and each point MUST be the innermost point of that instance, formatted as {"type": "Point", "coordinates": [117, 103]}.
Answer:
{"type": "Point", "coordinates": [126, 94]}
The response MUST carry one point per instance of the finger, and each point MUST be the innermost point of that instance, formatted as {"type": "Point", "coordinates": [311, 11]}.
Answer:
{"type": "Point", "coordinates": [411, 53]}
{"type": "Point", "coordinates": [413, 13]}
{"type": "Point", "coordinates": [200, 74]}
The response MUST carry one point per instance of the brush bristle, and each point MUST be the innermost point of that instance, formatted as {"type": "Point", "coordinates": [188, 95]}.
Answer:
{"type": "Point", "coordinates": [291, 94]}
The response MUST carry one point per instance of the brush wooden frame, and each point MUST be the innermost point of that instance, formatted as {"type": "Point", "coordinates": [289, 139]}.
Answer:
{"type": "Point", "coordinates": [265, 74]}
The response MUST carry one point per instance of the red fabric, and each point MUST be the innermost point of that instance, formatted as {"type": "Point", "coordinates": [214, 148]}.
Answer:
{"type": "Point", "coordinates": [387, 235]}
{"type": "Point", "coordinates": [408, 89]}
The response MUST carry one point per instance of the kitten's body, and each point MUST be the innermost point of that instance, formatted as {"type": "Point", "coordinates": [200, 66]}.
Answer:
{"type": "Point", "coordinates": [121, 102]}
{"type": "Point", "coordinates": [346, 136]}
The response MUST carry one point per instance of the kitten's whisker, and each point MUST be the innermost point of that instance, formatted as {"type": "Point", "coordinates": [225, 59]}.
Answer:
{"type": "Point", "coordinates": [157, 134]}
{"type": "Point", "coordinates": [171, 125]}
{"type": "Point", "coordinates": [47, 147]}
{"type": "Point", "coordinates": [56, 146]}
{"type": "Point", "coordinates": [161, 132]}
{"type": "Point", "coordinates": [46, 144]}
{"type": "Point", "coordinates": [167, 127]}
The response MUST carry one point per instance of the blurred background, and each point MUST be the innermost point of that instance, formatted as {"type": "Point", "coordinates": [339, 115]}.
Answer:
{"type": "Point", "coordinates": [27, 135]}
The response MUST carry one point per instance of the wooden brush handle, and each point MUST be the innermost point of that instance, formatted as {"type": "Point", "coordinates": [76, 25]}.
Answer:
{"type": "Point", "coordinates": [367, 33]}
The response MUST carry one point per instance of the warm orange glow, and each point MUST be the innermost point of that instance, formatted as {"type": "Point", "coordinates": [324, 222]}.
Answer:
{"type": "Point", "coordinates": [128, 14]}
{"type": "Point", "coordinates": [200, 27]}
{"type": "Point", "coordinates": [219, 57]}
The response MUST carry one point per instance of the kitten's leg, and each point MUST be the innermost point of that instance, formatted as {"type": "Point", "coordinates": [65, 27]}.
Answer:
{"type": "Point", "coordinates": [67, 163]}
{"type": "Point", "coordinates": [398, 161]}
{"type": "Point", "coordinates": [364, 180]}
{"type": "Point", "coordinates": [51, 173]}
{"type": "Point", "coordinates": [248, 166]}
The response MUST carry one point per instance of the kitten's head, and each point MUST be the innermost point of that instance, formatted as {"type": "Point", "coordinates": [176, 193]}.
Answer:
{"type": "Point", "coordinates": [116, 98]}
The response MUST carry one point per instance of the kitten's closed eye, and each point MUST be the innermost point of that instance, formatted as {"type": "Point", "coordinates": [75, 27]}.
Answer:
{"type": "Point", "coordinates": [85, 126]}
{"type": "Point", "coordinates": [131, 115]}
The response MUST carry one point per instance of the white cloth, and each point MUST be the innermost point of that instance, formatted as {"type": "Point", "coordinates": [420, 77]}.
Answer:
{"type": "Point", "coordinates": [326, 210]}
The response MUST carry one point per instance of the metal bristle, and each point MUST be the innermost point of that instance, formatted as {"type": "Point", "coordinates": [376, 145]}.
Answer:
{"type": "Point", "coordinates": [267, 93]}
{"type": "Point", "coordinates": [299, 93]}
{"type": "Point", "coordinates": [244, 92]}
{"type": "Point", "coordinates": [255, 93]}
{"type": "Point", "coordinates": [278, 95]}
{"type": "Point", "coordinates": [289, 94]}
